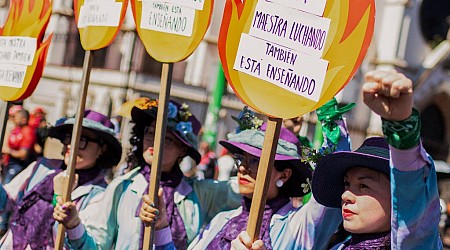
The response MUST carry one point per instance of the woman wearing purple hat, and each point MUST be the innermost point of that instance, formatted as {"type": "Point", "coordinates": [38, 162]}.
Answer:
{"type": "Point", "coordinates": [283, 226]}
{"type": "Point", "coordinates": [30, 197]}
{"type": "Point", "coordinates": [189, 204]}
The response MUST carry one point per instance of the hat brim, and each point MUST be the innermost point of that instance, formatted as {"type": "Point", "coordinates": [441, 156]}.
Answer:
{"type": "Point", "coordinates": [301, 172]}
{"type": "Point", "coordinates": [145, 116]}
{"type": "Point", "coordinates": [328, 176]}
{"type": "Point", "coordinates": [238, 147]}
{"type": "Point", "coordinates": [114, 151]}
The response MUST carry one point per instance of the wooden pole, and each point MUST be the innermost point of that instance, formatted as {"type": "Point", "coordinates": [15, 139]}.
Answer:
{"type": "Point", "coordinates": [4, 115]}
{"type": "Point", "coordinates": [160, 135]}
{"type": "Point", "coordinates": [76, 133]}
{"type": "Point", "coordinates": [262, 179]}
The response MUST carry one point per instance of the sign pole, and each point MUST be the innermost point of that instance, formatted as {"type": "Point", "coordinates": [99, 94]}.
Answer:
{"type": "Point", "coordinates": [76, 133]}
{"type": "Point", "coordinates": [4, 114]}
{"type": "Point", "coordinates": [263, 178]}
{"type": "Point", "coordinates": [161, 124]}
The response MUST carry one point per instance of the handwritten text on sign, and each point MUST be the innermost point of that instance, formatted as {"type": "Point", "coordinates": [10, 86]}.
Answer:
{"type": "Point", "coordinates": [294, 71]}
{"type": "Point", "coordinates": [17, 50]}
{"type": "Point", "coordinates": [315, 7]}
{"type": "Point", "coordinates": [168, 18]}
{"type": "Point", "coordinates": [12, 75]}
{"type": "Point", "coordinates": [101, 13]}
{"type": "Point", "coordinates": [194, 4]}
{"type": "Point", "coordinates": [295, 29]}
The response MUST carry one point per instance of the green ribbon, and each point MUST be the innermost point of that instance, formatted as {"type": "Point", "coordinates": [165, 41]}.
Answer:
{"type": "Point", "coordinates": [403, 134]}
{"type": "Point", "coordinates": [328, 114]}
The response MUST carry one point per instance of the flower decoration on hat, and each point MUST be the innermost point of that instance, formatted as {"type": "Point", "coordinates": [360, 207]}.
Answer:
{"type": "Point", "coordinates": [178, 121]}
{"type": "Point", "coordinates": [247, 119]}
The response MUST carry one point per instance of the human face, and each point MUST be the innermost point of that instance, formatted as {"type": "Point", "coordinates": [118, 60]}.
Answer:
{"type": "Point", "coordinates": [247, 165]}
{"type": "Point", "coordinates": [366, 201]}
{"type": "Point", "coordinates": [89, 149]}
{"type": "Point", "coordinates": [173, 148]}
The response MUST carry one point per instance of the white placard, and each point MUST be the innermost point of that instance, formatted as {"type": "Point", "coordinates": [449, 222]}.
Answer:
{"type": "Point", "coordinates": [292, 28]}
{"type": "Point", "coordinates": [316, 7]}
{"type": "Point", "coordinates": [194, 4]}
{"type": "Point", "coordinates": [17, 50]}
{"type": "Point", "coordinates": [101, 13]}
{"type": "Point", "coordinates": [167, 18]}
{"type": "Point", "coordinates": [12, 75]}
{"type": "Point", "coordinates": [289, 69]}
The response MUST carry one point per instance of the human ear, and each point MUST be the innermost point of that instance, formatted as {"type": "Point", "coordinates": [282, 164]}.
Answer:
{"type": "Point", "coordinates": [286, 174]}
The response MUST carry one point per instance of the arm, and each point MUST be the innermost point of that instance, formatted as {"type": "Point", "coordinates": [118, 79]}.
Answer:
{"type": "Point", "coordinates": [217, 196]}
{"type": "Point", "coordinates": [414, 193]}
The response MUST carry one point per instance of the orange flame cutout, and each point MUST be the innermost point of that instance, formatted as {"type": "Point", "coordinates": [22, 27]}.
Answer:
{"type": "Point", "coordinates": [98, 37]}
{"type": "Point", "coordinates": [351, 29]}
{"type": "Point", "coordinates": [28, 18]}
{"type": "Point", "coordinates": [166, 47]}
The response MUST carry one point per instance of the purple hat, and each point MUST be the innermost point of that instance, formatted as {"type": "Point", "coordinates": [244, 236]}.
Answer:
{"type": "Point", "coordinates": [328, 177]}
{"type": "Point", "coordinates": [288, 152]}
{"type": "Point", "coordinates": [180, 121]}
{"type": "Point", "coordinates": [94, 121]}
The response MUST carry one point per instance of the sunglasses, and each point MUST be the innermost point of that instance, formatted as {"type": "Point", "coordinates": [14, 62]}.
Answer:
{"type": "Point", "coordinates": [250, 163]}
{"type": "Point", "coordinates": [83, 141]}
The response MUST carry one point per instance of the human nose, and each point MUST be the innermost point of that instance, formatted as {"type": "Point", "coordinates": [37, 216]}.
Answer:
{"type": "Point", "coordinates": [348, 197]}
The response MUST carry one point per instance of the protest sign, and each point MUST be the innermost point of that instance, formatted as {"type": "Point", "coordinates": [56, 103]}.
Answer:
{"type": "Point", "coordinates": [98, 21]}
{"type": "Point", "coordinates": [340, 37]}
{"type": "Point", "coordinates": [171, 29]}
{"type": "Point", "coordinates": [22, 48]}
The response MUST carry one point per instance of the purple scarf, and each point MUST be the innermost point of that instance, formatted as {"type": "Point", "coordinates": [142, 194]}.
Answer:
{"type": "Point", "coordinates": [32, 220]}
{"type": "Point", "coordinates": [233, 227]}
{"type": "Point", "coordinates": [169, 181]}
{"type": "Point", "coordinates": [377, 241]}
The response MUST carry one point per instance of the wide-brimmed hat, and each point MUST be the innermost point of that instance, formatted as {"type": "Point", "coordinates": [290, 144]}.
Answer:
{"type": "Point", "coordinates": [328, 177]}
{"type": "Point", "coordinates": [94, 121]}
{"type": "Point", "coordinates": [180, 121]}
{"type": "Point", "coordinates": [288, 152]}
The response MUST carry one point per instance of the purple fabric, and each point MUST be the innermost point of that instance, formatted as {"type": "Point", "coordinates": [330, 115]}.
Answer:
{"type": "Point", "coordinates": [285, 134]}
{"type": "Point", "coordinates": [169, 181]}
{"type": "Point", "coordinates": [369, 241]}
{"type": "Point", "coordinates": [97, 117]}
{"type": "Point", "coordinates": [32, 220]}
{"type": "Point", "coordinates": [239, 223]}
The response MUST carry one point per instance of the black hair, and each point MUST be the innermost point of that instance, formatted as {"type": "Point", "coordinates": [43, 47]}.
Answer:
{"type": "Point", "coordinates": [290, 187]}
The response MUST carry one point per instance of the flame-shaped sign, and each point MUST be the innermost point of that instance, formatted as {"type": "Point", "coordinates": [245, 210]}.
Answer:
{"type": "Point", "coordinates": [99, 21]}
{"type": "Point", "coordinates": [349, 32]}
{"type": "Point", "coordinates": [27, 21]}
{"type": "Point", "coordinates": [171, 30]}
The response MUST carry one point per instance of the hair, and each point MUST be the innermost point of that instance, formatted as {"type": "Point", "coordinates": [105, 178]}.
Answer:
{"type": "Point", "coordinates": [289, 187]}
{"type": "Point", "coordinates": [24, 113]}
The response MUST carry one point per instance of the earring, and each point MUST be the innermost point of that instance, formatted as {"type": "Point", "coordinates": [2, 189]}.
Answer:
{"type": "Point", "coordinates": [279, 183]}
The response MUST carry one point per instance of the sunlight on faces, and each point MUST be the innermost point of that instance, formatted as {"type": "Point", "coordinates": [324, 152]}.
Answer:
{"type": "Point", "coordinates": [366, 202]}
{"type": "Point", "coordinates": [247, 165]}
{"type": "Point", "coordinates": [87, 157]}
{"type": "Point", "coordinates": [174, 149]}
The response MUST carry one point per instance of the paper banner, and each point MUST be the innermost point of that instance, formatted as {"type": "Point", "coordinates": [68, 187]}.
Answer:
{"type": "Point", "coordinates": [171, 30]}
{"type": "Point", "coordinates": [98, 21]}
{"type": "Point", "coordinates": [347, 40]}
{"type": "Point", "coordinates": [22, 49]}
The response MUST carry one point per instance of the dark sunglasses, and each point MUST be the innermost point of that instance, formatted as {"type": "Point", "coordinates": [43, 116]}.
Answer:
{"type": "Point", "coordinates": [83, 141]}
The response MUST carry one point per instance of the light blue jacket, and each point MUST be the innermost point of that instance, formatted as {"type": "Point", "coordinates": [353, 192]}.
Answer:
{"type": "Point", "coordinates": [112, 222]}
{"type": "Point", "coordinates": [307, 227]}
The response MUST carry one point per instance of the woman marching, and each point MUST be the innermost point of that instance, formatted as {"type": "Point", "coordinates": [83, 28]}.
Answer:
{"type": "Point", "coordinates": [30, 196]}
{"type": "Point", "coordinates": [189, 204]}
{"type": "Point", "coordinates": [386, 189]}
